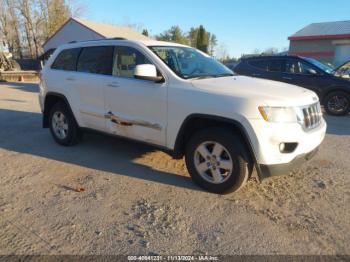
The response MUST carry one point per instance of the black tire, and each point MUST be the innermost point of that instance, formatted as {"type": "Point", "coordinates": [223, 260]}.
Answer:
{"type": "Point", "coordinates": [329, 101]}
{"type": "Point", "coordinates": [73, 134]}
{"type": "Point", "coordinates": [241, 163]}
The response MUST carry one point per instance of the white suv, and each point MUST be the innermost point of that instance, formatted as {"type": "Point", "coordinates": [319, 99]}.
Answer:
{"type": "Point", "coordinates": [183, 101]}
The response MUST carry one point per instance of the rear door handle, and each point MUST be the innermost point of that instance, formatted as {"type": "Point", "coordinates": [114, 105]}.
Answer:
{"type": "Point", "coordinates": [70, 79]}
{"type": "Point", "coordinates": [113, 84]}
{"type": "Point", "coordinates": [256, 74]}
{"type": "Point", "coordinates": [287, 78]}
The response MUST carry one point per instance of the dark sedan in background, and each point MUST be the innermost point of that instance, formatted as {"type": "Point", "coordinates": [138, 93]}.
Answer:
{"type": "Point", "coordinates": [331, 85]}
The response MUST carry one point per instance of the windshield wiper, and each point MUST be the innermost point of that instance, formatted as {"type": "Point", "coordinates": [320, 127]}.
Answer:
{"type": "Point", "coordinates": [200, 77]}
{"type": "Point", "coordinates": [223, 75]}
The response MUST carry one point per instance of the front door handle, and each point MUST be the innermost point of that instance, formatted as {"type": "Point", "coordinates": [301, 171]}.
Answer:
{"type": "Point", "coordinates": [70, 79]}
{"type": "Point", "coordinates": [113, 84]}
{"type": "Point", "coordinates": [287, 78]}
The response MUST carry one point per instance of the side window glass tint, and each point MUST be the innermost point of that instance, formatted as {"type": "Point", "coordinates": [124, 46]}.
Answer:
{"type": "Point", "coordinates": [304, 68]}
{"type": "Point", "coordinates": [125, 61]}
{"type": "Point", "coordinates": [275, 66]}
{"type": "Point", "coordinates": [293, 67]}
{"type": "Point", "coordinates": [66, 60]}
{"type": "Point", "coordinates": [297, 67]}
{"type": "Point", "coordinates": [96, 60]}
{"type": "Point", "coordinates": [261, 64]}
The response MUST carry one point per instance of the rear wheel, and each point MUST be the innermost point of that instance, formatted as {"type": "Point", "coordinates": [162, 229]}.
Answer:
{"type": "Point", "coordinates": [63, 127]}
{"type": "Point", "coordinates": [337, 103]}
{"type": "Point", "coordinates": [217, 160]}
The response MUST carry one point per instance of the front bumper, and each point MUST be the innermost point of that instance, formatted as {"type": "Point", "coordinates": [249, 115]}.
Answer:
{"type": "Point", "coordinates": [265, 139]}
{"type": "Point", "coordinates": [266, 171]}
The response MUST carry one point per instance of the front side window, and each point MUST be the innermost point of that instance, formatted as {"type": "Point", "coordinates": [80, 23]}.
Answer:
{"type": "Point", "coordinates": [293, 67]}
{"type": "Point", "coordinates": [189, 63]}
{"type": "Point", "coordinates": [297, 67]}
{"type": "Point", "coordinates": [66, 60]}
{"type": "Point", "coordinates": [125, 61]}
{"type": "Point", "coordinates": [96, 60]}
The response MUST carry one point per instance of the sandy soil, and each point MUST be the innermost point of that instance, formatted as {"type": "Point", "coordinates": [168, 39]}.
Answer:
{"type": "Point", "coordinates": [137, 200]}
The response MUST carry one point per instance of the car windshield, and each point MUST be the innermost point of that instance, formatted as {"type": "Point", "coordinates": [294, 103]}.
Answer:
{"type": "Point", "coordinates": [190, 63]}
{"type": "Point", "coordinates": [328, 69]}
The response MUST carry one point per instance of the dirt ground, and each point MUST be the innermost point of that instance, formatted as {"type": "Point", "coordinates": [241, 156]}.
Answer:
{"type": "Point", "coordinates": [137, 200]}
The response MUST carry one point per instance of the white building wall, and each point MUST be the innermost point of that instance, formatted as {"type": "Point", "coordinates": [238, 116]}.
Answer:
{"type": "Point", "coordinates": [71, 31]}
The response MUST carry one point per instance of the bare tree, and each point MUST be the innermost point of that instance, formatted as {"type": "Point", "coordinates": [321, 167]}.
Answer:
{"type": "Point", "coordinates": [256, 51]}
{"type": "Point", "coordinates": [27, 24]}
{"type": "Point", "coordinates": [9, 27]}
{"type": "Point", "coordinates": [222, 53]}
{"type": "Point", "coordinates": [23, 7]}
{"type": "Point", "coordinates": [57, 14]}
{"type": "Point", "coordinates": [270, 51]}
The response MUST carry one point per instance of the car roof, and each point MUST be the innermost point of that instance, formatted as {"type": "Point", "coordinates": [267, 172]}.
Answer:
{"type": "Point", "coordinates": [270, 57]}
{"type": "Point", "coordinates": [116, 41]}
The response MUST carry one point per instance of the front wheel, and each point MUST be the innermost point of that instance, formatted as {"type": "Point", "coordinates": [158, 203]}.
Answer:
{"type": "Point", "coordinates": [337, 103]}
{"type": "Point", "coordinates": [217, 160]}
{"type": "Point", "coordinates": [63, 127]}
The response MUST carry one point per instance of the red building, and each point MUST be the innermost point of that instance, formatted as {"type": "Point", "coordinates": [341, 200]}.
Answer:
{"type": "Point", "coordinates": [328, 42]}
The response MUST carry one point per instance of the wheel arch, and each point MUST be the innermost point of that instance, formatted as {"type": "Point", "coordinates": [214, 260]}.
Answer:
{"type": "Point", "coordinates": [197, 122]}
{"type": "Point", "coordinates": [334, 89]}
{"type": "Point", "coordinates": [51, 99]}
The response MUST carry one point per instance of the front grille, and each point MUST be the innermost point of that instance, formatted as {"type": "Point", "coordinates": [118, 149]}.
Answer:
{"type": "Point", "coordinates": [312, 116]}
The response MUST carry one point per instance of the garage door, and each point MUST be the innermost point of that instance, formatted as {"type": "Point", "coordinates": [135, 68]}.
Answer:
{"type": "Point", "coordinates": [342, 54]}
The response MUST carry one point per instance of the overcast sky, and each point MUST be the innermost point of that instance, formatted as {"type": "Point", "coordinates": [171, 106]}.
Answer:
{"type": "Point", "coordinates": [242, 26]}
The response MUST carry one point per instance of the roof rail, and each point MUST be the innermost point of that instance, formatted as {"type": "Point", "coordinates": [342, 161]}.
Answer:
{"type": "Point", "coordinates": [102, 39]}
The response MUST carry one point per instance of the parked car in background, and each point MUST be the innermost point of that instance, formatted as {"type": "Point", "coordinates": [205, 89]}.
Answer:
{"type": "Point", "coordinates": [231, 65]}
{"type": "Point", "coordinates": [333, 89]}
{"type": "Point", "coordinates": [179, 99]}
{"type": "Point", "coordinates": [343, 70]}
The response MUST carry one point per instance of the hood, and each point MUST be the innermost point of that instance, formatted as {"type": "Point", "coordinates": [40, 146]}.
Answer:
{"type": "Point", "coordinates": [269, 92]}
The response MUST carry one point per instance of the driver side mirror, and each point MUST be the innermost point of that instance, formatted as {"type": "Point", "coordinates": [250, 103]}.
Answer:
{"type": "Point", "coordinates": [311, 71]}
{"type": "Point", "coordinates": [147, 72]}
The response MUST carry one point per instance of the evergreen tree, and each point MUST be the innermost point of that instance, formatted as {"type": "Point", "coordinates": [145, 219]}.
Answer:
{"type": "Point", "coordinates": [174, 34]}
{"type": "Point", "coordinates": [145, 32]}
{"type": "Point", "coordinates": [202, 39]}
{"type": "Point", "coordinates": [213, 41]}
{"type": "Point", "coordinates": [192, 36]}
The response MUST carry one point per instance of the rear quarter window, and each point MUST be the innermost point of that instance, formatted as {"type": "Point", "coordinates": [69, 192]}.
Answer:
{"type": "Point", "coordinates": [66, 60]}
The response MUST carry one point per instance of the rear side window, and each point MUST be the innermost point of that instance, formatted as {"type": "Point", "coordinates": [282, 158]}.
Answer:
{"type": "Point", "coordinates": [261, 64]}
{"type": "Point", "coordinates": [273, 65]}
{"type": "Point", "coordinates": [66, 60]}
{"type": "Point", "coordinates": [96, 60]}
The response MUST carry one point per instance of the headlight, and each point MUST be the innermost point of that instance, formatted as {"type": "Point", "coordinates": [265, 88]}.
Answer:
{"type": "Point", "coordinates": [279, 114]}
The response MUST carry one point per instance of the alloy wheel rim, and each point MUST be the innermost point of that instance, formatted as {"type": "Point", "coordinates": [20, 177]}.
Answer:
{"type": "Point", "coordinates": [213, 162]}
{"type": "Point", "coordinates": [60, 125]}
{"type": "Point", "coordinates": [338, 104]}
